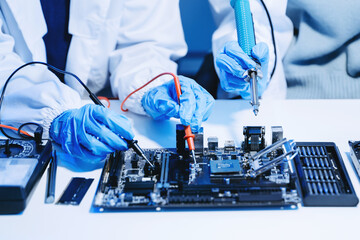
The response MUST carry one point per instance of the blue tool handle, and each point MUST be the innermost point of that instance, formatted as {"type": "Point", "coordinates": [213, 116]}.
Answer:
{"type": "Point", "coordinates": [244, 25]}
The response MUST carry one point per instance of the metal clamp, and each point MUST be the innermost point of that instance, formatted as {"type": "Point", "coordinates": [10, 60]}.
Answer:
{"type": "Point", "coordinates": [288, 148]}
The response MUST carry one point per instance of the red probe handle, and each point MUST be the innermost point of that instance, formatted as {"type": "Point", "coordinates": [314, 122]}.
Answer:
{"type": "Point", "coordinates": [177, 87]}
{"type": "Point", "coordinates": [189, 136]}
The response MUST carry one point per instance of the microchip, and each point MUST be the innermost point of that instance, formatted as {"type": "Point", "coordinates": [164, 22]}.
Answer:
{"type": "Point", "coordinates": [224, 166]}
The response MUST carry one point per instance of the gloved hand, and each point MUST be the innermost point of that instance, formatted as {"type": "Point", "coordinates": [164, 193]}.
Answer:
{"type": "Point", "coordinates": [91, 132]}
{"type": "Point", "coordinates": [195, 103]}
{"type": "Point", "coordinates": [233, 62]}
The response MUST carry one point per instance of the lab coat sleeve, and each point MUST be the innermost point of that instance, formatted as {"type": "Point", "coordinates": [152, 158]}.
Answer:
{"type": "Point", "coordinates": [150, 40]}
{"type": "Point", "coordinates": [225, 20]}
{"type": "Point", "coordinates": [34, 94]}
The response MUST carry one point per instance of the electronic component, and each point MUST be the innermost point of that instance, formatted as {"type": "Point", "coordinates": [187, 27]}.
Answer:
{"type": "Point", "coordinates": [212, 143]}
{"type": "Point", "coordinates": [277, 133]}
{"type": "Point", "coordinates": [199, 141]}
{"type": "Point", "coordinates": [22, 163]}
{"type": "Point", "coordinates": [75, 191]}
{"type": "Point", "coordinates": [221, 178]}
{"type": "Point", "coordinates": [283, 174]}
{"type": "Point", "coordinates": [323, 177]}
{"type": "Point", "coordinates": [355, 155]}
{"type": "Point", "coordinates": [224, 166]}
{"type": "Point", "coordinates": [229, 146]}
{"type": "Point", "coordinates": [254, 139]}
{"type": "Point", "coordinates": [51, 180]}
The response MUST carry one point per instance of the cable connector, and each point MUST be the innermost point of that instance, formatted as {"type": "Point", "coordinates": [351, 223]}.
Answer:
{"type": "Point", "coordinates": [38, 135]}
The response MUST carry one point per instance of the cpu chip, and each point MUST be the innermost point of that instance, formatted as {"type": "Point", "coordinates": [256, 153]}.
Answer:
{"type": "Point", "coordinates": [224, 166]}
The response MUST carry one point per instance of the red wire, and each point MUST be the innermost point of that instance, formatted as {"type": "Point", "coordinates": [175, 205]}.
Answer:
{"type": "Point", "coordinates": [106, 99]}
{"type": "Point", "coordinates": [162, 74]}
{"type": "Point", "coordinates": [188, 134]}
{"type": "Point", "coordinates": [15, 129]}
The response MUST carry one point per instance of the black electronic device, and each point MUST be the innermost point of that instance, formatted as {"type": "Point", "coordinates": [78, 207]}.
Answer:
{"type": "Point", "coordinates": [323, 178]}
{"type": "Point", "coordinates": [22, 163]}
{"type": "Point", "coordinates": [75, 191]}
{"type": "Point", "coordinates": [355, 155]}
{"type": "Point", "coordinates": [222, 177]}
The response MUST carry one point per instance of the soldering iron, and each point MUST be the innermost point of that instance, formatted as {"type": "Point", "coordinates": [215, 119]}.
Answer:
{"type": "Point", "coordinates": [246, 40]}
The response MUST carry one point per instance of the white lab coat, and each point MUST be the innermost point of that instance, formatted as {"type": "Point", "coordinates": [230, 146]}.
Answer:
{"type": "Point", "coordinates": [126, 42]}
{"type": "Point", "coordinates": [283, 30]}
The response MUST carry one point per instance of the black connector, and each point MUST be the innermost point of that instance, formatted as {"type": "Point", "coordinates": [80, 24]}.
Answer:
{"type": "Point", "coordinates": [38, 134]}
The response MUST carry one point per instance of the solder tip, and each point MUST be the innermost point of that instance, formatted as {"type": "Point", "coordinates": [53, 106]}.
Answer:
{"type": "Point", "coordinates": [193, 156]}
{"type": "Point", "coordinates": [143, 155]}
{"type": "Point", "coordinates": [256, 109]}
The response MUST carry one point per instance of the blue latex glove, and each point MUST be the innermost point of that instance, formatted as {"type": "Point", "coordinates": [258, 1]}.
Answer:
{"type": "Point", "coordinates": [233, 63]}
{"type": "Point", "coordinates": [91, 132]}
{"type": "Point", "coordinates": [195, 103]}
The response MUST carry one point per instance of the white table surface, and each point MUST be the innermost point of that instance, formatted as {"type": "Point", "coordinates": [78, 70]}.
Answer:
{"type": "Point", "coordinates": [302, 120]}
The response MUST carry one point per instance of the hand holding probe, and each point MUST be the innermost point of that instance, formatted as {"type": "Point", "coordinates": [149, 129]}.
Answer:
{"type": "Point", "coordinates": [189, 136]}
{"type": "Point", "coordinates": [246, 40]}
{"type": "Point", "coordinates": [131, 143]}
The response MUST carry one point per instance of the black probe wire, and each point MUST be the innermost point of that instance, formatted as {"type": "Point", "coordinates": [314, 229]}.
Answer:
{"type": "Point", "coordinates": [272, 36]}
{"type": "Point", "coordinates": [26, 124]}
{"type": "Point", "coordinates": [92, 95]}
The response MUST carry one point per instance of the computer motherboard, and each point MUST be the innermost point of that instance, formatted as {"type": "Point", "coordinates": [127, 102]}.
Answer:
{"type": "Point", "coordinates": [250, 176]}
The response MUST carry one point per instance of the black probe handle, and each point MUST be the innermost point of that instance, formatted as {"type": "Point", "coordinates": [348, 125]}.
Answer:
{"type": "Point", "coordinates": [95, 99]}
{"type": "Point", "coordinates": [131, 143]}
